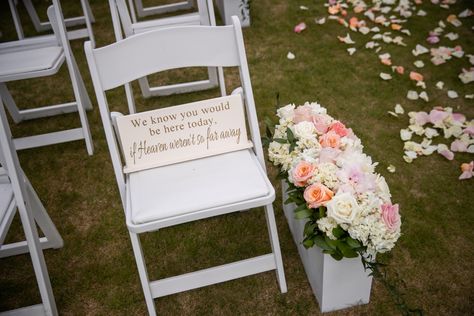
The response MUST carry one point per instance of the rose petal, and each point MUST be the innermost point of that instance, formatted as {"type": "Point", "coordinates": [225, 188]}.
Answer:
{"type": "Point", "coordinates": [452, 94]}
{"type": "Point", "coordinates": [290, 56]}
{"type": "Point", "coordinates": [300, 27]}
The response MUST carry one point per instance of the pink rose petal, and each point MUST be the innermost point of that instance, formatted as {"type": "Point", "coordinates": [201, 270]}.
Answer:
{"type": "Point", "coordinates": [421, 118]}
{"type": "Point", "coordinates": [469, 130]}
{"type": "Point", "coordinates": [300, 27]}
{"type": "Point", "coordinates": [458, 117]}
{"type": "Point", "coordinates": [436, 116]}
{"type": "Point", "coordinates": [447, 154]}
{"type": "Point", "coordinates": [458, 146]}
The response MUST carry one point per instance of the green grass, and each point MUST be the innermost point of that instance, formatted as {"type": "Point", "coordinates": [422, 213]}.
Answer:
{"type": "Point", "coordinates": [95, 273]}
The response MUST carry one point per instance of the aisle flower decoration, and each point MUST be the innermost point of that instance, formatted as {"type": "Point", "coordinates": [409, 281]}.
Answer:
{"type": "Point", "coordinates": [346, 205]}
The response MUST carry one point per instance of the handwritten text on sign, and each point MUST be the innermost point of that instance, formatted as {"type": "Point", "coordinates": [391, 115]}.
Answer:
{"type": "Point", "coordinates": [184, 132]}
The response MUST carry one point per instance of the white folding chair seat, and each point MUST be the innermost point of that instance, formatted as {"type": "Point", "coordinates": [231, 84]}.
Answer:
{"type": "Point", "coordinates": [87, 18]}
{"type": "Point", "coordinates": [204, 16]}
{"type": "Point", "coordinates": [196, 189]}
{"type": "Point", "coordinates": [26, 64]}
{"type": "Point", "coordinates": [34, 61]}
{"type": "Point", "coordinates": [245, 182]}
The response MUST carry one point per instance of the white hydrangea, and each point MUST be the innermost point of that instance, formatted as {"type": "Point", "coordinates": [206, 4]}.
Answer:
{"type": "Point", "coordinates": [316, 108]}
{"type": "Point", "coordinates": [326, 225]}
{"type": "Point", "coordinates": [278, 153]}
{"type": "Point", "coordinates": [326, 174]}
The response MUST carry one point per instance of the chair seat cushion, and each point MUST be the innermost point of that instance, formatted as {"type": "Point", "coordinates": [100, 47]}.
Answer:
{"type": "Point", "coordinates": [196, 185]}
{"type": "Point", "coordinates": [6, 195]}
{"type": "Point", "coordinates": [24, 61]}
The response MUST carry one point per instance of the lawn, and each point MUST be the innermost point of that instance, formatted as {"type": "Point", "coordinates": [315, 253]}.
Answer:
{"type": "Point", "coordinates": [95, 272]}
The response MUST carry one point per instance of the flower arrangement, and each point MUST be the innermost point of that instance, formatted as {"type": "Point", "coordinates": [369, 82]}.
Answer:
{"type": "Point", "coordinates": [346, 204]}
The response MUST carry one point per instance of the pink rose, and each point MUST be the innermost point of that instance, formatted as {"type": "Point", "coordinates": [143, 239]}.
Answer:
{"type": "Point", "coordinates": [302, 113]}
{"type": "Point", "coordinates": [339, 128]}
{"type": "Point", "coordinates": [330, 139]}
{"type": "Point", "coordinates": [302, 172]}
{"type": "Point", "coordinates": [321, 122]}
{"type": "Point", "coordinates": [317, 194]}
{"type": "Point", "coordinates": [390, 216]}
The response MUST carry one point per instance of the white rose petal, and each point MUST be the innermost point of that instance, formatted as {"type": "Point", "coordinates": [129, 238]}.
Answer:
{"type": "Point", "coordinates": [399, 109]}
{"type": "Point", "coordinates": [290, 56]}
{"type": "Point", "coordinates": [391, 168]}
{"type": "Point", "coordinates": [452, 94]}
{"type": "Point", "coordinates": [419, 64]}
{"type": "Point", "coordinates": [411, 154]}
{"type": "Point", "coordinates": [405, 134]}
{"type": "Point", "coordinates": [424, 96]}
{"type": "Point", "coordinates": [343, 208]}
{"type": "Point", "coordinates": [412, 95]}
{"type": "Point", "coordinates": [431, 132]}
{"type": "Point", "coordinates": [469, 96]}
{"type": "Point", "coordinates": [351, 50]}
{"type": "Point", "coordinates": [440, 85]}
{"type": "Point", "coordinates": [385, 76]}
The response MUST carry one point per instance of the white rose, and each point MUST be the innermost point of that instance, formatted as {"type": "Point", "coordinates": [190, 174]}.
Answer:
{"type": "Point", "coordinates": [382, 189]}
{"type": "Point", "coordinates": [316, 108]}
{"type": "Point", "coordinates": [286, 112]}
{"type": "Point", "coordinates": [343, 208]}
{"type": "Point", "coordinates": [304, 130]}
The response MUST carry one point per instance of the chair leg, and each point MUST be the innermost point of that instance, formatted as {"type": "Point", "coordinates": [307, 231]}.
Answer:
{"type": "Point", "coordinates": [87, 18]}
{"type": "Point", "coordinates": [275, 243]}
{"type": "Point", "coordinates": [140, 260]}
{"type": "Point", "coordinates": [79, 92]}
{"type": "Point", "coordinates": [10, 103]}
{"type": "Point", "coordinates": [39, 264]}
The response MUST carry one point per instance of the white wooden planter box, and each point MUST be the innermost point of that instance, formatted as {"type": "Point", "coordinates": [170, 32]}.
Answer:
{"type": "Point", "coordinates": [228, 8]}
{"type": "Point", "coordinates": [336, 284]}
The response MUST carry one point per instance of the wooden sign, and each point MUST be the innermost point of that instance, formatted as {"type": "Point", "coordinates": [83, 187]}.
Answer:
{"type": "Point", "coordinates": [184, 132]}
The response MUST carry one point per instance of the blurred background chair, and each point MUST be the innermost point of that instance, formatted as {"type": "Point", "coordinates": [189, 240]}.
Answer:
{"type": "Point", "coordinates": [204, 16]}
{"type": "Point", "coordinates": [86, 19]}
{"type": "Point", "coordinates": [206, 187]}
{"type": "Point", "coordinates": [143, 11]}
{"type": "Point", "coordinates": [33, 61]}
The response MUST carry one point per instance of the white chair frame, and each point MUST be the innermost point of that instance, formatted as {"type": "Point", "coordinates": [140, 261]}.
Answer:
{"type": "Point", "coordinates": [186, 43]}
{"type": "Point", "coordinates": [86, 19]}
{"type": "Point", "coordinates": [143, 11]}
{"type": "Point", "coordinates": [81, 103]}
{"type": "Point", "coordinates": [204, 16]}
{"type": "Point", "coordinates": [22, 197]}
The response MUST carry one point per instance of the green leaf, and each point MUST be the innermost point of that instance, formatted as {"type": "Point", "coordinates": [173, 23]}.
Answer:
{"type": "Point", "coordinates": [265, 141]}
{"type": "Point", "coordinates": [268, 122]}
{"type": "Point", "coordinates": [290, 135]}
{"type": "Point", "coordinates": [347, 251]}
{"type": "Point", "coordinates": [338, 232]}
{"type": "Point", "coordinates": [353, 243]}
{"type": "Point", "coordinates": [268, 132]}
{"type": "Point", "coordinates": [309, 228]}
{"type": "Point", "coordinates": [308, 243]}
{"type": "Point", "coordinates": [331, 243]}
{"type": "Point", "coordinates": [280, 140]}
{"type": "Point", "coordinates": [292, 147]}
{"type": "Point", "coordinates": [337, 256]}
{"type": "Point", "coordinates": [321, 243]}
{"type": "Point", "coordinates": [322, 211]}
{"type": "Point", "coordinates": [303, 214]}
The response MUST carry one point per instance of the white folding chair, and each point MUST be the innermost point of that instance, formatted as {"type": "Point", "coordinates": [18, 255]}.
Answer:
{"type": "Point", "coordinates": [204, 16]}
{"type": "Point", "coordinates": [39, 61]}
{"type": "Point", "coordinates": [86, 20]}
{"type": "Point", "coordinates": [222, 184]}
{"type": "Point", "coordinates": [17, 194]}
{"type": "Point", "coordinates": [143, 11]}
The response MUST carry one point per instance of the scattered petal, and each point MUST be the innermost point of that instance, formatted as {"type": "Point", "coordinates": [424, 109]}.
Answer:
{"type": "Point", "coordinates": [405, 134]}
{"type": "Point", "coordinates": [320, 21]}
{"type": "Point", "coordinates": [385, 76]}
{"type": "Point", "coordinates": [351, 50]}
{"type": "Point", "coordinates": [452, 94]}
{"type": "Point", "coordinates": [467, 75]}
{"type": "Point", "coordinates": [467, 170]}
{"type": "Point", "coordinates": [458, 146]}
{"type": "Point", "coordinates": [392, 113]}
{"type": "Point", "coordinates": [432, 39]}
{"type": "Point", "coordinates": [415, 76]}
{"type": "Point", "coordinates": [412, 95]}
{"type": "Point", "coordinates": [421, 13]}
{"type": "Point", "coordinates": [465, 14]}
{"type": "Point", "coordinates": [447, 154]}
{"type": "Point", "coordinates": [452, 36]}
{"type": "Point", "coordinates": [419, 64]}
{"type": "Point", "coordinates": [347, 39]}
{"type": "Point", "coordinates": [419, 50]}
{"type": "Point", "coordinates": [300, 27]}
{"type": "Point", "coordinates": [431, 132]}
{"type": "Point", "coordinates": [400, 70]}
{"type": "Point", "coordinates": [469, 96]}
{"type": "Point", "coordinates": [424, 96]}
{"type": "Point", "coordinates": [391, 168]}
{"type": "Point", "coordinates": [453, 19]}
{"type": "Point", "coordinates": [290, 56]}
{"type": "Point", "coordinates": [364, 30]}
{"type": "Point", "coordinates": [440, 85]}
{"type": "Point", "coordinates": [304, 8]}
{"type": "Point", "coordinates": [399, 109]}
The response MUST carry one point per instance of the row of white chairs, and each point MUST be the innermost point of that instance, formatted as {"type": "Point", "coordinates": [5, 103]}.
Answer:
{"type": "Point", "coordinates": [231, 182]}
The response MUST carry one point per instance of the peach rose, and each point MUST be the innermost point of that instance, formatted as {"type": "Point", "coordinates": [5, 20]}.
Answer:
{"type": "Point", "coordinates": [390, 216]}
{"type": "Point", "coordinates": [339, 128]}
{"type": "Point", "coordinates": [317, 194]}
{"type": "Point", "coordinates": [302, 172]}
{"type": "Point", "coordinates": [330, 139]}
{"type": "Point", "coordinates": [302, 113]}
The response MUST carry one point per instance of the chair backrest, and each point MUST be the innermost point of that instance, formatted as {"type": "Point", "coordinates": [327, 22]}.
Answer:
{"type": "Point", "coordinates": [165, 49]}
{"type": "Point", "coordinates": [121, 16]}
